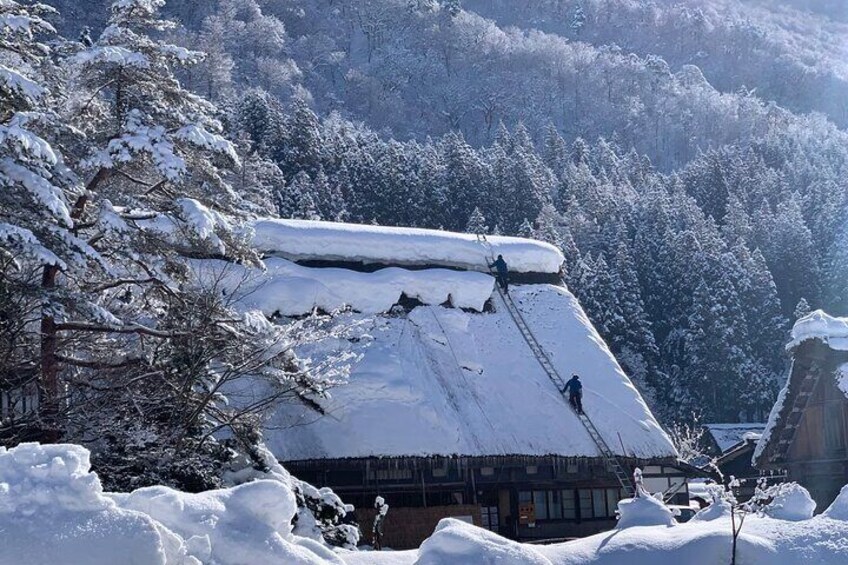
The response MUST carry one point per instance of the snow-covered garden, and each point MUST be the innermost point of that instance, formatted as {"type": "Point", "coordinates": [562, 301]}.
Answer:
{"type": "Point", "coordinates": [54, 510]}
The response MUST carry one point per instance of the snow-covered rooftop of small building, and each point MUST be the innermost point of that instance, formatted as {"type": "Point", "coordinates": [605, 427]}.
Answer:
{"type": "Point", "coordinates": [729, 435]}
{"type": "Point", "coordinates": [442, 381]}
{"type": "Point", "coordinates": [820, 325]}
{"type": "Point", "coordinates": [300, 240]}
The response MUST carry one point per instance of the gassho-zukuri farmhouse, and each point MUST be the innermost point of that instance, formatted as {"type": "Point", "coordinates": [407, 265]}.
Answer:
{"type": "Point", "coordinates": [448, 409]}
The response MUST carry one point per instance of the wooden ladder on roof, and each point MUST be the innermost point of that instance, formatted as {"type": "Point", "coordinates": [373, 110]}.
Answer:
{"type": "Point", "coordinates": [806, 389]}
{"type": "Point", "coordinates": [623, 477]}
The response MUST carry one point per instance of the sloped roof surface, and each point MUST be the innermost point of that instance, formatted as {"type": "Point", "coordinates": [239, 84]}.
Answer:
{"type": "Point", "coordinates": [441, 381]}
{"type": "Point", "coordinates": [729, 435]}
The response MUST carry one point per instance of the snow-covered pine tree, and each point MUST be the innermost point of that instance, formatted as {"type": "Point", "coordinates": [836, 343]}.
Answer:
{"type": "Point", "coordinates": [801, 309]}
{"type": "Point", "coordinates": [147, 337]}
{"type": "Point", "coordinates": [476, 223]}
{"type": "Point", "coordinates": [526, 229]}
{"type": "Point", "coordinates": [328, 198]}
{"type": "Point", "coordinates": [39, 199]}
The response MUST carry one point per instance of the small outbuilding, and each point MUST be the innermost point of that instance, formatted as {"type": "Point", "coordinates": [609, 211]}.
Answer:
{"type": "Point", "coordinates": [806, 435]}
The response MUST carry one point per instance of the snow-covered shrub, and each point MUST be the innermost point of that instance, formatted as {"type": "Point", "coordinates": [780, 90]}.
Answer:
{"type": "Point", "coordinates": [643, 509]}
{"type": "Point", "coordinates": [719, 507]}
{"type": "Point", "coordinates": [455, 541]}
{"type": "Point", "coordinates": [321, 514]}
{"type": "Point", "coordinates": [328, 511]}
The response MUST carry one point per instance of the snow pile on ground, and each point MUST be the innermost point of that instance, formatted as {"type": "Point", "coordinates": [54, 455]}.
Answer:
{"type": "Point", "coordinates": [53, 510]}
{"type": "Point", "coordinates": [763, 540]}
{"type": "Point", "coordinates": [718, 509]}
{"type": "Point", "coordinates": [311, 240]}
{"type": "Point", "coordinates": [455, 541]}
{"type": "Point", "coordinates": [431, 382]}
{"type": "Point", "coordinates": [838, 509]}
{"type": "Point", "coordinates": [292, 290]}
{"type": "Point", "coordinates": [644, 511]}
{"type": "Point", "coordinates": [820, 325]}
{"type": "Point", "coordinates": [250, 523]}
{"type": "Point", "coordinates": [792, 502]}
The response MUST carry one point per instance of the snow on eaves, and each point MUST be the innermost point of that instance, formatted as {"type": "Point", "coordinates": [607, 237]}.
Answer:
{"type": "Point", "coordinates": [299, 240]}
{"type": "Point", "coordinates": [289, 289]}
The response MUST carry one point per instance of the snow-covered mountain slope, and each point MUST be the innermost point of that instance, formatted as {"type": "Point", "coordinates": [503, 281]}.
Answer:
{"type": "Point", "coordinates": [310, 240]}
{"type": "Point", "coordinates": [442, 381]}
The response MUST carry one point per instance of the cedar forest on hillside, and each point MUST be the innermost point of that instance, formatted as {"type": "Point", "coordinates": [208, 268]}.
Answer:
{"type": "Point", "coordinates": [700, 211]}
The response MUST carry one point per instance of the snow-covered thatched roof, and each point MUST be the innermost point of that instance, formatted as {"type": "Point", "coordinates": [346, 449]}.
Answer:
{"type": "Point", "coordinates": [442, 381]}
{"type": "Point", "coordinates": [300, 240]}
{"type": "Point", "coordinates": [439, 380]}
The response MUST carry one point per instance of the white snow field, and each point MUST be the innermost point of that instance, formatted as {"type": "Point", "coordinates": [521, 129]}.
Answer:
{"type": "Point", "coordinates": [647, 536]}
{"type": "Point", "coordinates": [429, 382]}
{"type": "Point", "coordinates": [304, 240]}
{"type": "Point", "coordinates": [53, 511]}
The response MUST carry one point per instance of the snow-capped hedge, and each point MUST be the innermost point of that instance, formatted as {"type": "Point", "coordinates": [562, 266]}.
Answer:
{"type": "Point", "coordinates": [311, 240]}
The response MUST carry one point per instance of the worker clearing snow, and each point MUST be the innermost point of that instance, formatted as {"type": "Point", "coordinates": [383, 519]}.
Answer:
{"type": "Point", "coordinates": [575, 393]}
{"type": "Point", "coordinates": [382, 509]}
{"type": "Point", "coordinates": [503, 272]}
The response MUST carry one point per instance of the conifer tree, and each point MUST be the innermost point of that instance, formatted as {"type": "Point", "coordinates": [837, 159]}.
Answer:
{"type": "Point", "coordinates": [476, 223]}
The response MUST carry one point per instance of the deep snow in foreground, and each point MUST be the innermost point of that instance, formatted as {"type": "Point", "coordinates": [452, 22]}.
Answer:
{"type": "Point", "coordinates": [53, 510]}
{"type": "Point", "coordinates": [651, 538]}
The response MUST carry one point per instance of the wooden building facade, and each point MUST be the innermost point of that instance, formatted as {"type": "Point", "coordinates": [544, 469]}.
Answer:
{"type": "Point", "coordinates": [522, 498]}
{"type": "Point", "coordinates": [809, 433]}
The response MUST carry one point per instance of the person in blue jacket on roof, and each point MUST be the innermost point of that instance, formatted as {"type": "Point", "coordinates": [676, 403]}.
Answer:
{"type": "Point", "coordinates": [503, 272]}
{"type": "Point", "coordinates": [575, 393]}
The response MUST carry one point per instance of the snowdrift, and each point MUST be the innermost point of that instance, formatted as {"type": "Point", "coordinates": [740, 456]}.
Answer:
{"type": "Point", "coordinates": [706, 541]}
{"type": "Point", "coordinates": [53, 510]}
{"type": "Point", "coordinates": [455, 541]}
{"type": "Point", "coordinates": [644, 510]}
{"type": "Point", "coordinates": [300, 240]}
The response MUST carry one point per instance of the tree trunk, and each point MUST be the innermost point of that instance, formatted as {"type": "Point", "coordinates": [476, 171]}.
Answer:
{"type": "Point", "coordinates": [49, 385]}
